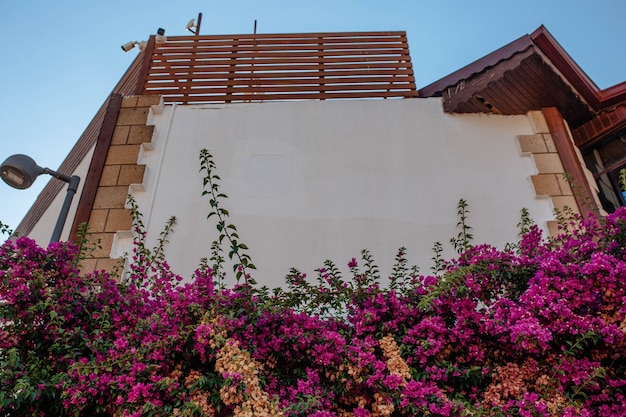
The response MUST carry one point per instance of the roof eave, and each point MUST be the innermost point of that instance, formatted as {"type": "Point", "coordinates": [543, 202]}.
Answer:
{"type": "Point", "coordinates": [548, 45]}
{"type": "Point", "coordinates": [542, 39]}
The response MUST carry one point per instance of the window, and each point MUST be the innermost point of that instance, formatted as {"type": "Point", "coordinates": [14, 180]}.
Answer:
{"type": "Point", "coordinates": [605, 159]}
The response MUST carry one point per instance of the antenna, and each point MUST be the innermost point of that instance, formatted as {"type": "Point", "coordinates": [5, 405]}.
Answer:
{"type": "Point", "coordinates": [255, 26]}
{"type": "Point", "coordinates": [199, 23]}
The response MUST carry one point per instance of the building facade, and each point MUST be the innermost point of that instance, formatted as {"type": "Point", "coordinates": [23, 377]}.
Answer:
{"type": "Point", "coordinates": [325, 147]}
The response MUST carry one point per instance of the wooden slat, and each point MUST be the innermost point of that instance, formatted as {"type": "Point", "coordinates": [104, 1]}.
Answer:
{"type": "Point", "coordinates": [286, 64]}
{"type": "Point", "coordinates": [245, 79]}
{"type": "Point", "coordinates": [281, 67]}
{"type": "Point", "coordinates": [353, 54]}
{"type": "Point", "coordinates": [291, 37]}
{"type": "Point", "coordinates": [262, 47]}
{"type": "Point", "coordinates": [199, 48]}
{"type": "Point", "coordinates": [220, 67]}
{"type": "Point", "coordinates": [270, 73]}
{"type": "Point", "coordinates": [246, 45]}
{"type": "Point", "coordinates": [189, 99]}
{"type": "Point", "coordinates": [286, 87]}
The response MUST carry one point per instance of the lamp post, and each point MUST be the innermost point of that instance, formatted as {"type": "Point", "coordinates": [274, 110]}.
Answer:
{"type": "Point", "coordinates": [20, 171]}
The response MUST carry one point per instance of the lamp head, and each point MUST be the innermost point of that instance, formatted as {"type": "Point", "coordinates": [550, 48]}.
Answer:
{"type": "Point", "coordinates": [191, 26]}
{"type": "Point", "coordinates": [20, 171]}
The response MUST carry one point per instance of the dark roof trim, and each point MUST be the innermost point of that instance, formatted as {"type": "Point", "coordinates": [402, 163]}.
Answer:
{"type": "Point", "coordinates": [613, 95]}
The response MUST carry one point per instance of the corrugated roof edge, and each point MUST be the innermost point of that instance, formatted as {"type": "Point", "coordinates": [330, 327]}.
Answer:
{"type": "Point", "coordinates": [435, 89]}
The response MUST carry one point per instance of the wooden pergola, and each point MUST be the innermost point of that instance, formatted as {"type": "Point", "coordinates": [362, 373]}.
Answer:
{"type": "Point", "coordinates": [263, 67]}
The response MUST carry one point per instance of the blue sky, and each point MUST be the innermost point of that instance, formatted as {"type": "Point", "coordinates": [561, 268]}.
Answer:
{"type": "Point", "coordinates": [61, 59]}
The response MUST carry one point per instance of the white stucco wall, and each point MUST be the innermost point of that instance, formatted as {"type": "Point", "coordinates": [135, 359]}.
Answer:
{"type": "Point", "coordinates": [309, 181]}
{"type": "Point", "coordinates": [42, 231]}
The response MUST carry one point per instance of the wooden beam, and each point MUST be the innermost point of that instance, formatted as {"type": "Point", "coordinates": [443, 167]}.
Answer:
{"type": "Point", "coordinates": [145, 66]}
{"type": "Point", "coordinates": [571, 163]}
{"type": "Point", "coordinates": [88, 194]}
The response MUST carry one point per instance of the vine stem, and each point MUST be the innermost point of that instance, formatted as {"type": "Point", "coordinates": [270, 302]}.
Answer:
{"type": "Point", "coordinates": [228, 231]}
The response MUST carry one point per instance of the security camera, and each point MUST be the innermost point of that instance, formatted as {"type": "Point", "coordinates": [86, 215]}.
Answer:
{"type": "Point", "coordinates": [160, 36]}
{"type": "Point", "coordinates": [128, 46]}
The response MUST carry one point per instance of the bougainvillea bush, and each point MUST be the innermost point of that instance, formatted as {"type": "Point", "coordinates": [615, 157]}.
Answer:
{"type": "Point", "coordinates": [535, 329]}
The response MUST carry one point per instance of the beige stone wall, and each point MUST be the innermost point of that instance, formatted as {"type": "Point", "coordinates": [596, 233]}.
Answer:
{"type": "Point", "coordinates": [550, 180]}
{"type": "Point", "coordinates": [109, 214]}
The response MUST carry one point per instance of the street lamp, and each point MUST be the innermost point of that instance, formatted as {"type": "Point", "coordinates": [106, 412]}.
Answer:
{"type": "Point", "coordinates": [21, 171]}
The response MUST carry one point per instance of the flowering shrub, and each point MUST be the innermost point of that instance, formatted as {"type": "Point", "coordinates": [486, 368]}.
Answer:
{"type": "Point", "coordinates": [536, 329]}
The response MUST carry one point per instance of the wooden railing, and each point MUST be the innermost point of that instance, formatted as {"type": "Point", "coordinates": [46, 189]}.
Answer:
{"type": "Point", "coordinates": [262, 67]}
